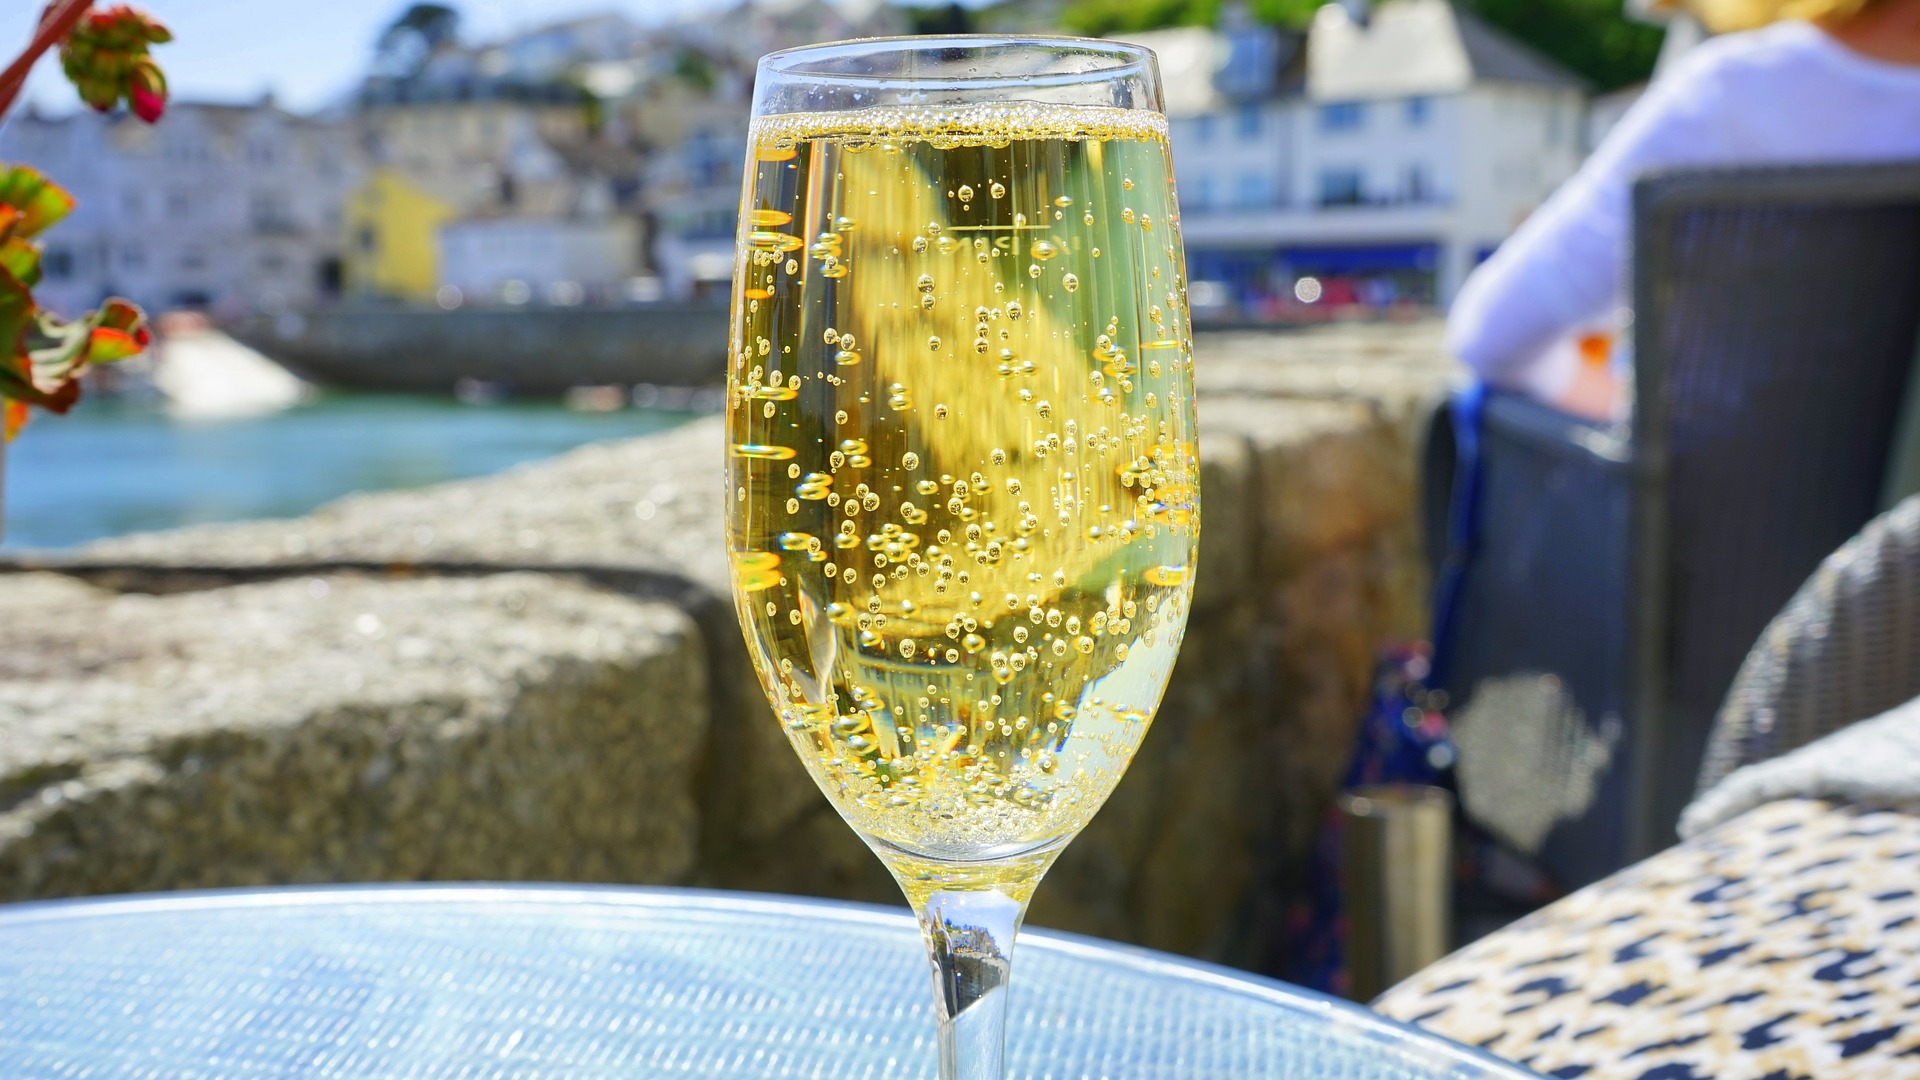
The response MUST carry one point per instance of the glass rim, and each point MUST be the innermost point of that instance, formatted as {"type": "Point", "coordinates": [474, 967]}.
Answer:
{"type": "Point", "coordinates": [1124, 56]}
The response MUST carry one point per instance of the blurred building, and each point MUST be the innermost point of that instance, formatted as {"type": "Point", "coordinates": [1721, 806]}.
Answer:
{"type": "Point", "coordinates": [1605, 112]}
{"type": "Point", "coordinates": [686, 104]}
{"type": "Point", "coordinates": [553, 51]}
{"type": "Point", "coordinates": [518, 258]}
{"type": "Point", "coordinates": [570, 153]}
{"type": "Point", "coordinates": [474, 140]}
{"type": "Point", "coordinates": [228, 207]}
{"type": "Point", "coordinates": [1372, 162]}
{"type": "Point", "coordinates": [452, 142]}
{"type": "Point", "coordinates": [390, 236]}
{"type": "Point", "coordinates": [1373, 159]}
{"type": "Point", "coordinates": [482, 150]}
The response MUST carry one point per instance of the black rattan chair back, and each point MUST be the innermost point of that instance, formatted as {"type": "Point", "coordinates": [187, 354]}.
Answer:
{"type": "Point", "coordinates": [1777, 315]}
{"type": "Point", "coordinates": [1599, 589]}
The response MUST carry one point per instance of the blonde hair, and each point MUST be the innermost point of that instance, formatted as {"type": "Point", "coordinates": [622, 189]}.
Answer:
{"type": "Point", "coordinates": [1726, 15]}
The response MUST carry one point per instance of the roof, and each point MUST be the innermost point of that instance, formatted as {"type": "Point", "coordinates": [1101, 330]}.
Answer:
{"type": "Point", "coordinates": [1413, 47]}
{"type": "Point", "coordinates": [213, 111]}
{"type": "Point", "coordinates": [1189, 56]}
{"type": "Point", "coordinates": [609, 17]}
{"type": "Point", "coordinates": [379, 91]}
{"type": "Point", "coordinates": [1499, 58]}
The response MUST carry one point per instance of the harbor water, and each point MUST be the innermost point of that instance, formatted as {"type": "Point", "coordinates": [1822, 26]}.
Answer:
{"type": "Point", "coordinates": [111, 467]}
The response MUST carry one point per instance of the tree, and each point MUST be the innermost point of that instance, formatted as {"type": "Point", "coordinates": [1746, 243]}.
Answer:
{"type": "Point", "coordinates": [1592, 37]}
{"type": "Point", "coordinates": [409, 40]}
{"type": "Point", "coordinates": [950, 19]}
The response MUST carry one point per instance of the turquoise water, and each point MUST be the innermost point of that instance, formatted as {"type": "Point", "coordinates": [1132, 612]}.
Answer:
{"type": "Point", "coordinates": [111, 468]}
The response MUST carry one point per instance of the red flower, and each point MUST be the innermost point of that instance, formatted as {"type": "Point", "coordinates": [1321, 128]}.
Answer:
{"type": "Point", "coordinates": [147, 90]}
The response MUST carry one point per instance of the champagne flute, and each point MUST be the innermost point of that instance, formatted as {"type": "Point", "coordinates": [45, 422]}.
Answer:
{"type": "Point", "coordinates": [962, 483]}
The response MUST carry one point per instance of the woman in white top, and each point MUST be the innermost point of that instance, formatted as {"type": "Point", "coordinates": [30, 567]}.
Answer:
{"type": "Point", "coordinates": [1819, 81]}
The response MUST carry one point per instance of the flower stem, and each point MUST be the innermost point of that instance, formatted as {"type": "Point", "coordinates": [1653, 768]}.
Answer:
{"type": "Point", "coordinates": [56, 23]}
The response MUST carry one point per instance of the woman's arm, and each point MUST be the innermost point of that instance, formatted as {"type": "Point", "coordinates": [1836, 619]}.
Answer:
{"type": "Point", "coordinates": [1565, 267]}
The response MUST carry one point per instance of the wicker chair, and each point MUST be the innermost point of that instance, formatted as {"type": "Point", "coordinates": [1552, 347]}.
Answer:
{"type": "Point", "coordinates": [1784, 932]}
{"type": "Point", "coordinates": [1846, 648]}
{"type": "Point", "coordinates": [1600, 588]}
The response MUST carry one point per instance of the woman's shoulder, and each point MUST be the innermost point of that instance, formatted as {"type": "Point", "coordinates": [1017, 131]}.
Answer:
{"type": "Point", "coordinates": [1768, 53]}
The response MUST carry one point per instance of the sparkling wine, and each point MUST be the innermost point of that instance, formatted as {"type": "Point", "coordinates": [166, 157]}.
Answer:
{"type": "Point", "coordinates": [962, 478]}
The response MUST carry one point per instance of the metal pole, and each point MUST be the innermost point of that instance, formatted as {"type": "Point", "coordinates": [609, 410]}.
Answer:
{"type": "Point", "coordinates": [1397, 873]}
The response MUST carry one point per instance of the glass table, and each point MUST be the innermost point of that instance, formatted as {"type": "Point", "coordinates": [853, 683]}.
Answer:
{"type": "Point", "coordinates": [544, 983]}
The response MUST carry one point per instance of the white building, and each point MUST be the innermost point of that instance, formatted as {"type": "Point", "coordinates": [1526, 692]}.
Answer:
{"type": "Point", "coordinates": [228, 207]}
{"type": "Point", "coordinates": [1605, 112]}
{"type": "Point", "coordinates": [554, 50]}
{"type": "Point", "coordinates": [688, 102]}
{"type": "Point", "coordinates": [1382, 159]}
{"type": "Point", "coordinates": [557, 260]}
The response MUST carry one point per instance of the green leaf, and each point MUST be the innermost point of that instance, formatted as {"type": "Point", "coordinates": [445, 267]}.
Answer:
{"type": "Point", "coordinates": [16, 317]}
{"type": "Point", "coordinates": [50, 354]}
{"type": "Point", "coordinates": [20, 260]}
{"type": "Point", "coordinates": [43, 370]}
{"type": "Point", "coordinates": [40, 201]}
{"type": "Point", "coordinates": [105, 345]}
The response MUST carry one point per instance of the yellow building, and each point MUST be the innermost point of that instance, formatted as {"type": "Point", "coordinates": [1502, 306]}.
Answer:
{"type": "Point", "coordinates": [391, 242]}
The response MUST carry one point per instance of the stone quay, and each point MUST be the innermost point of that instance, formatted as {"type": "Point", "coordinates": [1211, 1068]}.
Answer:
{"type": "Point", "coordinates": [538, 676]}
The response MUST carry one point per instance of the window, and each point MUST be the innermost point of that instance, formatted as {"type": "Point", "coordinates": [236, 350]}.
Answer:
{"type": "Point", "coordinates": [179, 205]}
{"type": "Point", "coordinates": [1203, 129]}
{"type": "Point", "coordinates": [1418, 187]}
{"type": "Point", "coordinates": [1248, 121]}
{"type": "Point", "coordinates": [1251, 190]}
{"type": "Point", "coordinates": [1202, 193]}
{"type": "Point", "coordinates": [1341, 187]}
{"type": "Point", "coordinates": [132, 204]}
{"type": "Point", "coordinates": [193, 259]}
{"type": "Point", "coordinates": [57, 264]}
{"type": "Point", "coordinates": [132, 257]}
{"type": "Point", "coordinates": [368, 241]}
{"type": "Point", "coordinates": [1343, 116]}
{"type": "Point", "coordinates": [269, 211]}
{"type": "Point", "coordinates": [1419, 111]}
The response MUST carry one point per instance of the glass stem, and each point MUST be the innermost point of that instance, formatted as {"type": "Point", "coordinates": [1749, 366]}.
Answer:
{"type": "Point", "coordinates": [969, 938]}
{"type": "Point", "coordinates": [969, 913]}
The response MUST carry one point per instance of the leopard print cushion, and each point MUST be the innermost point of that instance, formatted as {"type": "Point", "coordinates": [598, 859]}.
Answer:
{"type": "Point", "coordinates": [1784, 945]}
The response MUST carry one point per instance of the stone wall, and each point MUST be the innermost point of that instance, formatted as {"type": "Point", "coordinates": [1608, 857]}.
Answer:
{"type": "Point", "coordinates": [538, 676]}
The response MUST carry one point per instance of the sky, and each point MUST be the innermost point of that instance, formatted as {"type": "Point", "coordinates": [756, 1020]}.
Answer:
{"type": "Point", "coordinates": [307, 53]}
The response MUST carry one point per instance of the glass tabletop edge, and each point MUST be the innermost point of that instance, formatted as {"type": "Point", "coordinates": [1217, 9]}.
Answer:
{"type": "Point", "coordinates": [630, 897]}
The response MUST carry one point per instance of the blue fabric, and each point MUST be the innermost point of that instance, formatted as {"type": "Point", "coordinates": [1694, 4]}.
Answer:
{"type": "Point", "coordinates": [1462, 522]}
